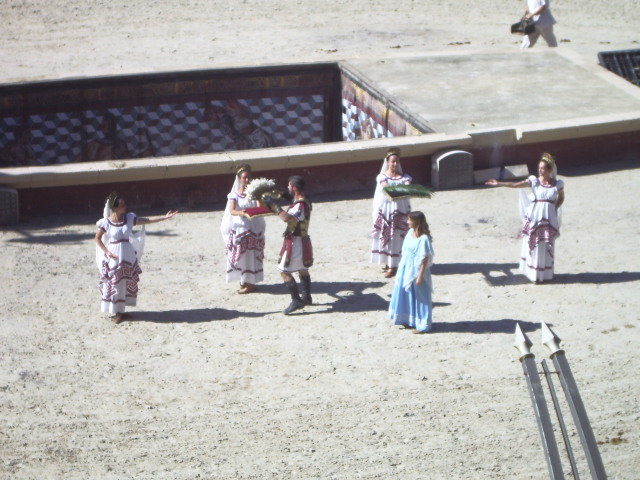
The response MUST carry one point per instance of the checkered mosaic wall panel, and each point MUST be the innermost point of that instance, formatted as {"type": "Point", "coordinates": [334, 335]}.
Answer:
{"type": "Point", "coordinates": [162, 130]}
{"type": "Point", "coordinates": [358, 125]}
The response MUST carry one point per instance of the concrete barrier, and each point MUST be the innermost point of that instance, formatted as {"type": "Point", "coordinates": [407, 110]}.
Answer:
{"type": "Point", "coordinates": [580, 142]}
{"type": "Point", "coordinates": [9, 213]}
{"type": "Point", "coordinates": [224, 163]}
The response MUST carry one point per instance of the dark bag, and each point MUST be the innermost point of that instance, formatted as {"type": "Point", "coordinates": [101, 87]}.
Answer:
{"type": "Point", "coordinates": [523, 27]}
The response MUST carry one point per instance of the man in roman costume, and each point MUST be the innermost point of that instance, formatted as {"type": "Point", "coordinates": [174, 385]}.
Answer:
{"type": "Point", "coordinates": [297, 253]}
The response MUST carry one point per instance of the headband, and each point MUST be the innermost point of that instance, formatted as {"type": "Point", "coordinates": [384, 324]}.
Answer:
{"type": "Point", "coordinates": [548, 159]}
{"type": "Point", "coordinates": [391, 152]}
{"type": "Point", "coordinates": [243, 168]}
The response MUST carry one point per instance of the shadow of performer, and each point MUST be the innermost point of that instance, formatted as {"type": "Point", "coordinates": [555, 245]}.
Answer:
{"type": "Point", "coordinates": [502, 274]}
{"type": "Point", "coordinates": [349, 296]}
{"type": "Point", "coordinates": [197, 315]}
{"type": "Point", "coordinates": [495, 274]}
{"type": "Point", "coordinates": [506, 325]}
{"type": "Point", "coordinates": [596, 277]}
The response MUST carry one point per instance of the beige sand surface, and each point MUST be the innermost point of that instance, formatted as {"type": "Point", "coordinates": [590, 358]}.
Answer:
{"type": "Point", "coordinates": [207, 384]}
{"type": "Point", "coordinates": [105, 37]}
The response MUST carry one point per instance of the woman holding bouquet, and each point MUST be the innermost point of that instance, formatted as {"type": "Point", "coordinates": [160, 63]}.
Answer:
{"type": "Point", "coordinates": [389, 216]}
{"type": "Point", "coordinates": [243, 236]}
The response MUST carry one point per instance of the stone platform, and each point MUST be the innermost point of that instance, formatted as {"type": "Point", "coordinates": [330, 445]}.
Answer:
{"type": "Point", "coordinates": [475, 90]}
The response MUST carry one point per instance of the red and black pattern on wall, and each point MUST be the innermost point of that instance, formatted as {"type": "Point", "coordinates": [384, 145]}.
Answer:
{"type": "Point", "coordinates": [165, 114]}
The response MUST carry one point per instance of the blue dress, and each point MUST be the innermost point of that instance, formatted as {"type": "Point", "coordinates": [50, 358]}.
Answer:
{"type": "Point", "coordinates": [410, 303]}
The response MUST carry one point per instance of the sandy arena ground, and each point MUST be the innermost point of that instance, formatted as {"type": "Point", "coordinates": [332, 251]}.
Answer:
{"type": "Point", "coordinates": [204, 383]}
{"type": "Point", "coordinates": [68, 38]}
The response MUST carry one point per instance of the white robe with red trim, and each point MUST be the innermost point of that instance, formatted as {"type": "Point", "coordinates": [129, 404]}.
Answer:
{"type": "Point", "coordinates": [245, 244]}
{"type": "Point", "coordinates": [119, 277]}
{"type": "Point", "coordinates": [541, 228]}
{"type": "Point", "coordinates": [389, 222]}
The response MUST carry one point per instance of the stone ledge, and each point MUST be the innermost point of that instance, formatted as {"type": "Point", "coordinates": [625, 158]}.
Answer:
{"type": "Point", "coordinates": [223, 163]}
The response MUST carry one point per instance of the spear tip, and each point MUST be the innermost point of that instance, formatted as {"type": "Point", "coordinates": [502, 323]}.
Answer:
{"type": "Point", "coordinates": [549, 338]}
{"type": "Point", "coordinates": [522, 342]}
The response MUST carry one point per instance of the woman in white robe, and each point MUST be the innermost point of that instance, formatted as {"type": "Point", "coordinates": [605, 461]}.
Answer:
{"type": "Point", "coordinates": [118, 254]}
{"type": "Point", "coordinates": [541, 219]}
{"type": "Point", "coordinates": [389, 216]}
{"type": "Point", "coordinates": [244, 237]}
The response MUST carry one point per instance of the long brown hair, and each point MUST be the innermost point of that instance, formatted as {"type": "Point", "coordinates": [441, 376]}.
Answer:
{"type": "Point", "coordinates": [114, 200]}
{"type": "Point", "coordinates": [423, 227]}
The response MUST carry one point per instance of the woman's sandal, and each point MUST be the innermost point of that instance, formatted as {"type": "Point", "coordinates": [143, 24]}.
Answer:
{"type": "Point", "coordinates": [247, 289]}
{"type": "Point", "coordinates": [420, 332]}
{"type": "Point", "coordinates": [390, 273]}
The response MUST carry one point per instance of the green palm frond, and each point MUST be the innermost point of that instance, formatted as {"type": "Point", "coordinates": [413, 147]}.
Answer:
{"type": "Point", "coordinates": [396, 192]}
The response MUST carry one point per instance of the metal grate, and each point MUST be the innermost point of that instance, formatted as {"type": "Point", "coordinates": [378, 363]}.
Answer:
{"type": "Point", "coordinates": [625, 63]}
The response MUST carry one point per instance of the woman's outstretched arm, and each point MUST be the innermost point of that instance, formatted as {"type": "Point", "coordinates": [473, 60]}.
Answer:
{"type": "Point", "coordinates": [495, 183]}
{"type": "Point", "coordinates": [160, 218]}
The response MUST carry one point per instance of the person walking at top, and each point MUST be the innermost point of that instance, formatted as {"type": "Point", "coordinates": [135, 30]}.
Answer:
{"type": "Point", "coordinates": [540, 12]}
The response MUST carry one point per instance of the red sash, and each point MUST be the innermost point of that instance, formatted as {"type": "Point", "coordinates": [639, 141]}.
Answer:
{"type": "Point", "coordinates": [287, 247]}
{"type": "Point", "coordinates": [307, 250]}
{"type": "Point", "coordinates": [287, 243]}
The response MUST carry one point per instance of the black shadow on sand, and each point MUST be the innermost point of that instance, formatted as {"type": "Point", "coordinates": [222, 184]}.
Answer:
{"type": "Point", "coordinates": [503, 274]}
{"type": "Point", "coordinates": [495, 274]}
{"type": "Point", "coordinates": [349, 296]}
{"type": "Point", "coordinates": [506, 325]}
{"type": "Point", "coordinates": [62, 238]}
{"type": "Point", "coordinates": [197, 315]}
{"type": "Point", "coordinates": [596, 277]}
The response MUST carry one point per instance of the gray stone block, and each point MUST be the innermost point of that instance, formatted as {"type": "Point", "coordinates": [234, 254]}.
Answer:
{"type": "Point", "coordinates": [515, 172]}
{"type": "Point", "coordinates": [452, 169]}
{"type": "Point", "coordinates": [481, 176]}
{"type": "Point", "coordinates": [509, 172]}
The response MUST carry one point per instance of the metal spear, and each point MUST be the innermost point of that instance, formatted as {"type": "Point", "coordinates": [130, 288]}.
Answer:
{"type": "Point", "coordinates": [579, 413]}
{"type": "Point", "coordinates": [543, 419]}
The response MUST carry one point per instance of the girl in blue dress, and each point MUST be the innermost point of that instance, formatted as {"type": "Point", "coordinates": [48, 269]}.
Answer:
{"type": "Point", "coordinates": [410, 304]}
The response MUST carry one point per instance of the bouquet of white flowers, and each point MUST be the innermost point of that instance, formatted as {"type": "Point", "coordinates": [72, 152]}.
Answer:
{"type": "Point", "coordinates": [260, 186]}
